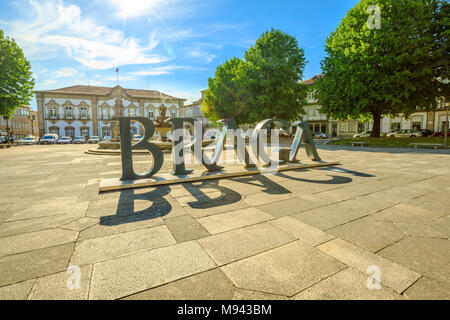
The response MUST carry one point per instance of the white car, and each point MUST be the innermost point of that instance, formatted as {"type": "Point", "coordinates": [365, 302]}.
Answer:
{"type": "Point", "coordinates": [65, 140]}
{"type": "Point", "coordinates": [49, 138]}
{"type": "Point", "coordinates": [320, 135]}
{"type": "Point", "coordinates": [404, 133]}
{"type": "Point", "coordinates": [364, 134]}
{"type": "Point", "coordinates": [79, 139]}
{"type": "Point", "coordinates": [94, 139]}
{"type": "Point", "coordinates": [28, 141]}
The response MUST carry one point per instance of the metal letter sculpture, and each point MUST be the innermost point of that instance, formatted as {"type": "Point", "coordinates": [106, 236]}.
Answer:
{"type": "Point", "coordinates": [303, 137]}
{"type": "Point", "coordinates": [144, 144]}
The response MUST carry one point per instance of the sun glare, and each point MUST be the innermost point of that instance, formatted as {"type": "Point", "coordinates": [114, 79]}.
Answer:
{"type": "Point", "coordinates": [133, 8]}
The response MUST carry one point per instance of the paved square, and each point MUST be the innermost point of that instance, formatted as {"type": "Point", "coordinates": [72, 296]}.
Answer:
{"type": "Point", "coordinates": [304, 234]}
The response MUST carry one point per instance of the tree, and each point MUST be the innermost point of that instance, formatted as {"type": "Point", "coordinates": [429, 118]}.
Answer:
{"type": "Point", "coordinates": [393, 69]}
{"type": "Point", "coordinates": [225, 95]}
{"type": "Point", "coordinates": [274, 71]}
{"type": "Point", "coordinates": [266, 84]}
{"type": "Point", "coordinates": [16, 78]}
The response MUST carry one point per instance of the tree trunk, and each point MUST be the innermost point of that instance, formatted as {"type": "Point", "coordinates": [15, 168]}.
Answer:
{"type": "Point", "coordinates": [376, 125]}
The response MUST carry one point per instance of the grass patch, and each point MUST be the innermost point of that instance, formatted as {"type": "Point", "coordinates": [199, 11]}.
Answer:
{"type": "Point", "coordinates": [390, 142]}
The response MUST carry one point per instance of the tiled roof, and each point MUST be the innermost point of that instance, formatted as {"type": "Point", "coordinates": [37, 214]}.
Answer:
{"type": "Point", "coordinates": [103, 91]}
{"type": "Point", "coordinates": [311, 81]}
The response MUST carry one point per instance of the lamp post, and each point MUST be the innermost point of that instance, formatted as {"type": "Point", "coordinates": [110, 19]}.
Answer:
{"type": "Point", "coordinates": [32, 118]}
{"type": "Point", "coordinates": [7, 128]}
{"type": "Point", "coordinates": [446, 125]}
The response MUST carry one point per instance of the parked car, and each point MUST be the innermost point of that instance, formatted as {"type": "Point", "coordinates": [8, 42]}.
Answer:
{"type": "Point", "coordinates": [364, 134]}
{"type": "Point", "coordinates": [65, 140]}
{"type": "Point", "coordinates": [49, 138]}
{"type": "Point", "coordinates": [441, 134]}
{"type": "Point", "coordinates": [320, 135]}
{"type": "Point", "coordinates": [404, 133]}
{"type": "Point", "coordinates": [79, 139]}
{"type": "Point", "coordinates": [426, 132]}
{"type": "Point", "coordinates": [94, 139]}
{"type": "Point", "coordinates": [28, 141]}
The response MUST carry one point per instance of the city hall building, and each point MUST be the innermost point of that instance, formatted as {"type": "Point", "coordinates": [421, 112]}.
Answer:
{"type": "Point", "coordinates": [90, 111]}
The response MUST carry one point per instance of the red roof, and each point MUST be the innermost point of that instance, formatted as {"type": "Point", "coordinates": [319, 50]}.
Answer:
{"type": "Point", "coordinates": [311, 81]}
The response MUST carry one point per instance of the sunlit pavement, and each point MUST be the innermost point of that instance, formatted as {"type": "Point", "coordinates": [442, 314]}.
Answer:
{"type": "Point", "coordinates": [332, 233]}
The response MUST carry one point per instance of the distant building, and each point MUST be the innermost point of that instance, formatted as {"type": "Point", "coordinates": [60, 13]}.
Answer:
{"type": "Point", "coordinates": [319, 122]}
{"type": "Point", "coordinates": [22, 124]}
{"type": "Point", "coordinates": [194, 110]}
{"type": "Point", "coordinates": [90, 111]}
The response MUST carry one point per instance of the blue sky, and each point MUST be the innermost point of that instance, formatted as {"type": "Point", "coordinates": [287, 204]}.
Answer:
{"type": "Point", "coordinates": [168, 45]}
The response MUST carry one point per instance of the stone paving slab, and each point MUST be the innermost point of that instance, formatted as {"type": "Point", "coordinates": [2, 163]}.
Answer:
{"type": "Point", "coordinates": [348, 284]}
{"type": "Point", "coordinates": [114, 246]}
{"type": "Point", "coordinates": [36, 263]}
{"type": "Point", "coordinates": [428, 289]}
{"type": "Point", "coordinates": [409, 214]}
{"type": "Point", "coordinates": [369, 233]}
{"type": "Point", "coordinates": [185, 228]}
{"type": "Point", "coordinates": [285, 271]}
{"type": "Point", "coordinates": [339, 213]}
{"type": "Point", "coordinates": [233, 220]}
{"type": "Point", "coordinates": [393, 275]}
{"type": "Point", "coordinates": [196, 287]}
{"type": "Point", "coordinates": [138, 272]}
{"type": "Point", "coordinates": [60, 286]}
{"type": "Point", "coordinates": [308, 234]}
{"type": "Point", "coordinates": [428, 256]}
{"type": "Point", "coordinates": [302, 231]}
{"type": "Point", "coordinates": [18, 291]}
{"type": "Point", "coordinates": [241, 243]}
{"type": "Point", "coordinates": [35, 240]}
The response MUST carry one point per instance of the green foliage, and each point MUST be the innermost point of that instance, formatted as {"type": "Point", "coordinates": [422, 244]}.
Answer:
{"type": "Point", "coordinates": [386, 71]}
{"type": "Point", "coordinates": [225, 95]}
{"type": "Point", "coordinates": [16, 78]}
{"type": "Point", "coordinates": [266, 84]}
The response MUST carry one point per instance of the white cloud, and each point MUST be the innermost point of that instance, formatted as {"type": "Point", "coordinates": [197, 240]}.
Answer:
{"type": "Point", "coordinates": [65, 72]}
{"type": "Point", "coordinates": [158, 71]}
{"type": "Point", "coordinates": [200, 55]}
{"type": "Point", "coordinates": [53, 26]}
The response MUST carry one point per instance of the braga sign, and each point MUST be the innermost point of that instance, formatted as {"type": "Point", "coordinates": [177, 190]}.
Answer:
{"type": "Point", "coordinates": [257, 156]}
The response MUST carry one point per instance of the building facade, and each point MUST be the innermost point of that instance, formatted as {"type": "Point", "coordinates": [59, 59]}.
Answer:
{"type": "Point", "coordinates": [319, 122]}
{"type": "Point", "coordinates": [90, 111]}
{"type": "Point", "coordinates": [194, 110]}
{"type": "Point", "coordinates": [23, 123]}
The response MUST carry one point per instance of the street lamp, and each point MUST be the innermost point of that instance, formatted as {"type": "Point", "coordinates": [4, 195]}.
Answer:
{"type": "Point", "coordinates": [32, 118]}
{"type": "Point", "coordinates": [446, 124]}
{"type": "Point", "coordinates": [7, 128]}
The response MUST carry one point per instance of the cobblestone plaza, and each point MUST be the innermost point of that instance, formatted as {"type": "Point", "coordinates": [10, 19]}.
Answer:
{"type": "Point", "coordinates": [302, 234]}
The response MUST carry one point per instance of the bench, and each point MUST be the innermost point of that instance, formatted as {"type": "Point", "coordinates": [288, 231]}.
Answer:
{"type": "Point", "coordinates": [434, 145]}
{"type": "Point", "coordinates": [359, 143]}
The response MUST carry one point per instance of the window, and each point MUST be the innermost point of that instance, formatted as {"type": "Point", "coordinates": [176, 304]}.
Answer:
{"type": "Point", "coordinates": [53, 113]}
{"type": "Point", "coordinates": [395, 126]}
{"type": "Point", "coordinates": [173, 114]}
{"type": "Point", "coordinates": [54, 130]}
{"type": "Point", "coordinates": [83, 111]}
{"type": "Point", "coordinates": [68, 113]}
{"type": "Point", "coordinates": [132, 112]}
{"type": "Point", "coordinates": [105, 114]}
{"type": "Point", "coordinates": [106, 132]}
{"type": "Point", "coordinates": [85, 132]}
{"type": "Point", "coordinates": [70, 132]}
{"type": "Point", "coordinates": [151, 115]}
